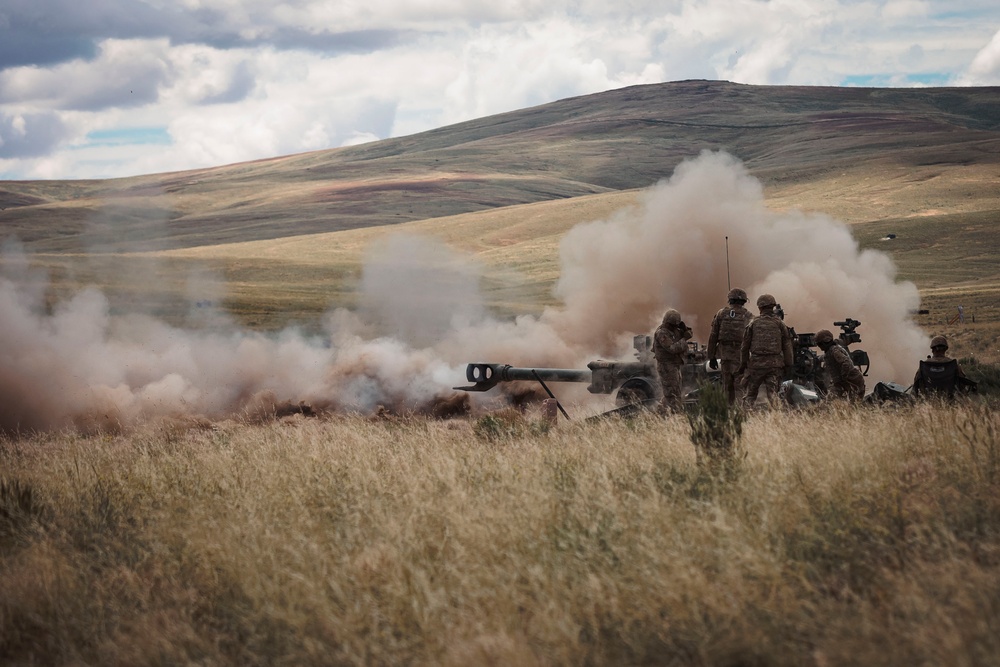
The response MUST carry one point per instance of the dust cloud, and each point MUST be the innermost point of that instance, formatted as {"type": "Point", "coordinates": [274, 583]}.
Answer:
{"type": "Point", "coordinates": [421, 316]}
{"type": "Point", "coordinates": [620, 274]}
{"type": "Point", "coordinates": [417, 290]}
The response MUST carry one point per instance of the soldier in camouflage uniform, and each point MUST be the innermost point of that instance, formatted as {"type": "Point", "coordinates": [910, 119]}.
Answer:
{"type": "Point", "coordinates": [937, 361]}
{"type": "Point", "coordinates": [766, 354]}
{"type": "Point", "coordinates": [669, 348]}
{"type": "Point", "coordinates": [726, 339]}
{"type": "Point", "coordinates": [846, 380]}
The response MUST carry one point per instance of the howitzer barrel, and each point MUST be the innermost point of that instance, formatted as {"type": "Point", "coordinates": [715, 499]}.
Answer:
{"type": "Point", "coordinates": [486, 376]}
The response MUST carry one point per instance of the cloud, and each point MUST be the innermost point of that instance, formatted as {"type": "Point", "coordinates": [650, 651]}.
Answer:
{"type": "Point", "coordinates": [356, 41]}
{"type": "Point", "coordinates": [125, 74]}
{"type": "Point", "coordinates": [985, 67]}
{"type": "Point", "coordinates": [58, 31]}
{"type": "Point", "coordinates": [30, 135]}
{"type": "Point", "coordinates": [538, 63]}
{"type": "Point", "coordinates": [224, 133]}
{"type": "Point", "coordinates": [895, 10]}
{"type": "Point", "coordinates": [417, 290]}
{"type": "Point", "coordinates": [358, 138]}
{"type": "Point", "coordinates": [427, 63]}
{"type": "Point", "coordinates": [21, 49]}
{"type": "Point", "coordinates": [217, 82]}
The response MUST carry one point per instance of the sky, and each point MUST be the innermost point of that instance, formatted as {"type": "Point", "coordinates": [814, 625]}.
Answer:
{"type": "Point", "coordinates": [110, 88]}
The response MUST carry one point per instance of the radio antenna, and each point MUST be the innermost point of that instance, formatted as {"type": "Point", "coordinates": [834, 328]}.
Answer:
{"type": "Point", "coordinates": [729, 282]}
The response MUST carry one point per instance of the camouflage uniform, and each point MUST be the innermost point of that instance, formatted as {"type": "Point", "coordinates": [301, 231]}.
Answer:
{"type": "Point", "coordinates": [939, 345]}
{"type": "Point", "coordinates": [726, 339]}
{"type": "Point", "coordinates": [846, 380]}
{"type": "Point", "coordinates": [669, 348]}
{"type": "Point", "coordinates": [766, 352]}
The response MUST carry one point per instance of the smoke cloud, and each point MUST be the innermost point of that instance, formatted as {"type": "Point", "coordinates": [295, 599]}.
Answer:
{"type": "Point", "coordinates": [422, 317]}
{"type": "Point", "coordinates": [620, 274]}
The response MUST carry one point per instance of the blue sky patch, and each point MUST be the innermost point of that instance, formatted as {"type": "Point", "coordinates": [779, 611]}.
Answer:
{"type": "Point", "coordinates": [894, 81]}
{"type": "Point", "coordinates": [129, 136]}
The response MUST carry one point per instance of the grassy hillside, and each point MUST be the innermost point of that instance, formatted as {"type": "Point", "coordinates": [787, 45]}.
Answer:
{"type": "Point", "coordinates": [618, 140]}
{"type": "Point", "coordinates": [953, 258]}
{"type": "Point", "coordinates": [288, 235]}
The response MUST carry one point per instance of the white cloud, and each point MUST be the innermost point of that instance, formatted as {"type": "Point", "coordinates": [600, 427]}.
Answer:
{"type": "Point", "coordinates": [358, 138]}
{"type": "Point", "coordinates": [205, 75]}
{"type": "Point", "coordinates": [903, 9]}
{"type": "Point", "coordinates": [504, 70]}
{"type": "Point", "coordinates": [233, 81]}
{"type": "Point", "coordinates": [125, 73]}
{"type": "Point", "coordinates": [985, 67]}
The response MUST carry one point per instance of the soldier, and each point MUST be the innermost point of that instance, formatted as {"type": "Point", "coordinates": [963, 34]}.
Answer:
{"type": "Point", "coordinates": [669, 347]}
{"type": "Point", "coordinates": [766, 355]}
{"type": "Point", "coordinates": [939, 373]}
{"type": "Point", "coordinates": [726, 338]}
{"type": "Point", "coordinates": [846, 379]}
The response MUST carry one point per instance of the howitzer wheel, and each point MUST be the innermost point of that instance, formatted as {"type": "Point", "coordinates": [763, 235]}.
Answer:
{"type": "Point", "coordinates": [635, 390]}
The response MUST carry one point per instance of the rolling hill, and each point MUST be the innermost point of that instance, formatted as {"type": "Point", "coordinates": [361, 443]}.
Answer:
{"type": "Point", "coordinates": [288, 233]}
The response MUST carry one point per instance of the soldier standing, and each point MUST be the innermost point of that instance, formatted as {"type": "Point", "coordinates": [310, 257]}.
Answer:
{"type": "Point", "coordinates": [669, 347]}
{"type": "Point", "coordinates": [845, 378]}
{"type": "Point", "coordinates": [766, 354]}
{"type": "Point", "coordinates": [726, 339]}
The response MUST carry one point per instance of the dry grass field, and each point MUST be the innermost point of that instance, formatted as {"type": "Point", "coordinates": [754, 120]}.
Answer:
{"type": "Point", "coordinates": [848, 537]}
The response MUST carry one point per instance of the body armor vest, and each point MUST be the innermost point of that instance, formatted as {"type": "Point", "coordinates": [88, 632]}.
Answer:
{"type": "Point", "coordinates": [732, 323]}
{"type": "Point", "coordinates": [766, 336]}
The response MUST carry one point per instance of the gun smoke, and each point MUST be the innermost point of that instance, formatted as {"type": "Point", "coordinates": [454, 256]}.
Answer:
{"type": "Point", "coordinates": [619, 275]}
{"type": "Point", "coordinates": [422, 318]}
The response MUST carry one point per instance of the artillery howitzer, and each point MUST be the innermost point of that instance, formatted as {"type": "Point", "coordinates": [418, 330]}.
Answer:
{"type": "Point", "coordinates": [807, 366]}
{"type": "Point", "coordinates": [808, 377]}
{"type": "Point", "coordinates": [631, 381]}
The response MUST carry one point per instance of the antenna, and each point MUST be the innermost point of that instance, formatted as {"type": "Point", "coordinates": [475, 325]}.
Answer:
{"type": "Point", "coordinates": [729, 282]}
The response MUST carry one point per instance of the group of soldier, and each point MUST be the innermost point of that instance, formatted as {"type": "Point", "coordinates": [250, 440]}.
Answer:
{"type": "Point", "coordinates": [754, 352]}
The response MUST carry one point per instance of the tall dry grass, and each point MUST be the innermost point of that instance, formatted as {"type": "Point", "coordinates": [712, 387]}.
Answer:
{"type": "Point", "coordinates": [849, 536]}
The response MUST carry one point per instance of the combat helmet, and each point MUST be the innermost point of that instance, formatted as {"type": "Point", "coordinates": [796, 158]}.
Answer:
{"type": "Point", "coordinates": [736, 294]}
{"type": "Point", "coordinates": [766, 301]}
{"type": "Point", "coordinates": [939, 341]}
{"type": "Point", "coordinates": [671, 318]}
{"type": "Point", "coordinates": [823, 337]}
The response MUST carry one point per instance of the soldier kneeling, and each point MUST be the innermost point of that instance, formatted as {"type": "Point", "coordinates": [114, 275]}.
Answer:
{"type": "Point", "coordinates": [846, 380]}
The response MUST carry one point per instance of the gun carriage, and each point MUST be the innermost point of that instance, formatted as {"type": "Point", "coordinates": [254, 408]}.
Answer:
{"type": "Point", "coordinates": [631, 381]}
